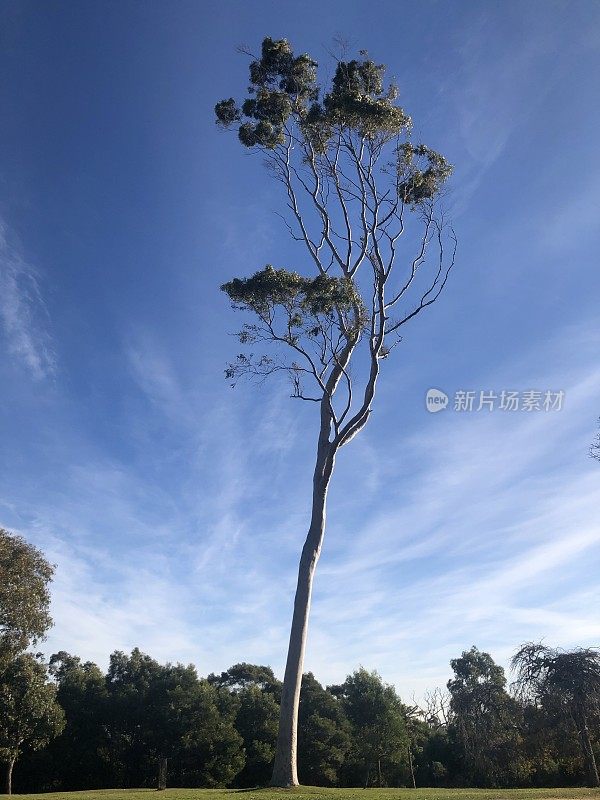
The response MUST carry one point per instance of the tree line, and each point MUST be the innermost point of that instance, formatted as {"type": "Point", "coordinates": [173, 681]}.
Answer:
{"type": "Point", "coordinates": [142, 723]}
{"type": "Point", "coordinates": [69, 725]}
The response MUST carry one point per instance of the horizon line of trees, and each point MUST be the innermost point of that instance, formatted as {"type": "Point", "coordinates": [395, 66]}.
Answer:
{"type": "Point", "coordinates": [146, 724]}
{"type": "Point", "coordinates": [68, 725]}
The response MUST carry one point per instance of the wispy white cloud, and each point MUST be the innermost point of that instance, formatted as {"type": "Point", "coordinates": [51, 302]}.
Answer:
{"type": "Point", "coordinates": [575, 219]}
{"type": "Point", "coordinates": [176, 514]}
{"type": "Point", "coordinates": [154, 373]}
{"type": "Point", "coordinates": [22, 311]}
{"type": "Point", "coordinates": [168, 556]}
{"type": "Point", "coordinates": [498, 84]}
{"type": "Point", "coordinates": [484, 532]}
{"type": "Point", "coordinates": [492, 539]}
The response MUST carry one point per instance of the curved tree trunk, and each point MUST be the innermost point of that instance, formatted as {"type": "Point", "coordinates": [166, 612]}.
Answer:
{"type": "Point", "coordinates": [285, 769]}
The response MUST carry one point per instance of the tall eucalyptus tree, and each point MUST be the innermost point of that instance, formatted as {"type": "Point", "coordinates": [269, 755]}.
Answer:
{"type": "Point", "coordinates": [360, 199]}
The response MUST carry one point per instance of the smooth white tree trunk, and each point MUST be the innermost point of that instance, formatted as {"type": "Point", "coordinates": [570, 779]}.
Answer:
{"type": "Point", "coordinates": [8, 776]}
{"type": "Point", "coordinates": [285, 769]}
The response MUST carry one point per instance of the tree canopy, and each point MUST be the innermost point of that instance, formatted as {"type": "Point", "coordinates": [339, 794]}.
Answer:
{"type": "Point", "coordinates": [24, 594]}
{"type": "Point", "coordinates": [121, 723]}
{"type": "Point", "coordinates": [29, 714]}
{"type": "Point", "coordinates": [378, 717]}
{"type": "Point", "coordinates": [349, 170]}
{"type": "Point", "coordinates": [283, 89]}
{"type": "Point", "coordinates": [485, 722]}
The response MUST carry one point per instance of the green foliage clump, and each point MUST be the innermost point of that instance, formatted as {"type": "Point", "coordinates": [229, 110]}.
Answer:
{"type": "Point", "coordinates": [380, 741]}
{"type": "Point", "coordinates": [24, 595]}
{"type": "Point", "coordinates": [283, 85]}
{"type": "Point", "coordinates": [566, 685]}
{"type": "Point", "coordinates": [227, 113]}
{"type": "Point", "coordinates": [256, 720]}
{"type": "Point", "coordinates": [358, 102]}
{"type": "Point", "coordinates": [421, 172]}
{"type": "Point", "coordinates": [80, 758]}
{"type": "Point", "coordinates": [256, 691]}
{"type": "Point", "coordinates": [283, 90]}
{"type": "Point", "coordinates": [279, 84]}
{"type": "Point", "coordinates": [166, 711]}
{"type": "Point", "coordinates": [324, 732]}
{"type": "Point", "coordinates": [241, 676]}
{"type": "Point", "coordinates": [271, 287]}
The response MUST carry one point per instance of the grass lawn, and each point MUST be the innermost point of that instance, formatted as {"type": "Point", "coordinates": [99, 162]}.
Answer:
{"type": "Point", "coordinates": [314, 793]}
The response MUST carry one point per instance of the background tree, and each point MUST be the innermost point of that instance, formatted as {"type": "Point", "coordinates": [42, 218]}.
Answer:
{"type": "Point", "coordinates": [241, 676]}
{"type": "Point", "coordinates": [485, 723]}
{"type": "Point", "coordinates": [419, 734]}
{"type": "Point", "coordinates": [256, 691]}
{"type": "Point", "coordinates": [78, 758]}
{"type": "Point", "coordinates": [24, 595]}
{"type": "Point", "coordinates": [430, 749]}
{"type": "Point", "coordinates": [355, 187]}
{"type": "Point", "coordinates": [159, 712]}
{"type": "Point", "coordinates": [325, 735]}
{"type": "Point", "coordinates": [551, 745]}
{"type": "Point", "coordinates": [120, 725]}
{"type": "Point", "coordinates": [568, 682]}
{"type": "Point", "coordinates": [256, 722]}
{"type": "Point", "coordinates": [436, 708]}
{"type": "Point", "coordinates": [380, 740]}
{"type": "Point", "coordinates": [30, 716]}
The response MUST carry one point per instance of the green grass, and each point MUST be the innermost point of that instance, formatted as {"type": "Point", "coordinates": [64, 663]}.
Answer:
{"type": "Point", "coordinates": [315, 793]}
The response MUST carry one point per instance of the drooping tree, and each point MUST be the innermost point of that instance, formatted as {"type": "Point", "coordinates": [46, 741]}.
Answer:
{"type": "Point", "coordinates": [30, 716]}
{"type": "Point", "coordinates": [361, 201]}
{"type": "Point", "coordinates": [566, 681]}
{"type": "Point", "coordinates": [24, 596]}
{"type": "Point", "coordinates": [551, 746]}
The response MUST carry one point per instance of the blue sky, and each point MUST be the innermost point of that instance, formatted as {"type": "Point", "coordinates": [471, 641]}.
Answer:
{"type": "Point", "coordinates": [175, 507]}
